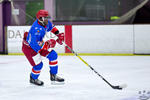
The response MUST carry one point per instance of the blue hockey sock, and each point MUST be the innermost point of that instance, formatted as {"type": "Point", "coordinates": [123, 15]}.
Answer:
{"type": "Point", "coordinates": [53, 63]}
{"type": "Point", "coordinates": [36, 71]}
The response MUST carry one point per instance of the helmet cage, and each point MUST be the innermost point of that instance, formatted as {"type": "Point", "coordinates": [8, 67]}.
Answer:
{"type": "Point", "coordinates": [42, 19]}
{"type": "Point", "coordinates": [42, 15]}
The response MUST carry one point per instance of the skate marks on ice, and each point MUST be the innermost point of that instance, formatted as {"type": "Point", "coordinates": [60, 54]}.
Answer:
{"type": "Point", "coordinates": [80, 82]}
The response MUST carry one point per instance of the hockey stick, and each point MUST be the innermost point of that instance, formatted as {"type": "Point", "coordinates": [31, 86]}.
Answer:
{"type": "Point", "coordinates": [119, 87]}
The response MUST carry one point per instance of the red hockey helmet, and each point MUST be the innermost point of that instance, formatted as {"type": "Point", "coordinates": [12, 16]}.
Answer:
{"type": "Point", "coordinates": [42, 13]}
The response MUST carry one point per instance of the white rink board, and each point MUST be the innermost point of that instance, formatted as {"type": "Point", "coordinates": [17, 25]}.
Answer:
{"type": "Point", "coordinates": [103, 38]}
{"type": "Point", "coordinates": [93, 38]}
{"type": "Point", "coordinates": [142, 39]}
{"type": "Point", "coordinates": [14, 38]}
{"type": "Point", "coordinates": [15, 35]}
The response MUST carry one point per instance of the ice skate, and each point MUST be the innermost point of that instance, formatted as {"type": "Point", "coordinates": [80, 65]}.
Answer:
{"type": "Point", "coordinates": [36, 81]}
{"type": "Point", "coordinates": [56, 80]}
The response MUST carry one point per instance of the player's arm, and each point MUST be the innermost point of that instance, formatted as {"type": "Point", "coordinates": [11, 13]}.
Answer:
{"type": "Point", "coordinates": [59, 35]}
{"type": "Point", "coordinates": [32, 39]}
{"type": "Point", "coordinates": [55, 31]}
{"type": "Point", "coordinates": [42, 49]}
{"type": "Point", "coordinates": [33, 42]}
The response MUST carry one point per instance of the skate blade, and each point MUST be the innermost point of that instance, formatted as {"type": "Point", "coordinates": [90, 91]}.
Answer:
{"type": "Point", "coordinates": [57, 83]}
{"type": "Point", "coordinates": [36, 84]}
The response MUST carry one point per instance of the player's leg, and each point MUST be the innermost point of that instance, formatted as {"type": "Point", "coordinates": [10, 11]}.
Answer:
{"type": "Point", "coordinates": [35, 61]}
{"type": "Point", "coordinates": [53, 64]}
{"type": "Point", "coordinates": [35, 74]}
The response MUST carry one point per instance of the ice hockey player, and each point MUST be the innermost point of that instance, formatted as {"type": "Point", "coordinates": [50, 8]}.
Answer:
{"type": "Point", "coordinates": [34, 47]}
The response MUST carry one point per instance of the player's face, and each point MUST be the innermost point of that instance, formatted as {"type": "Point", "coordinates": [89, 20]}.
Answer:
{"type": "Point", "coordinates": [46, 19]}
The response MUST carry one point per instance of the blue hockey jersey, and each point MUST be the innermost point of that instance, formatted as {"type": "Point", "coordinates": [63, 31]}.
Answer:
{"type": "Point", "coordinates": [37, 33]}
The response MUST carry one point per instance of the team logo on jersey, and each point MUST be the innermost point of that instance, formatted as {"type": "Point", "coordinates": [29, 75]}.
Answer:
{"type": "Point", "coordinates": [38, 31]}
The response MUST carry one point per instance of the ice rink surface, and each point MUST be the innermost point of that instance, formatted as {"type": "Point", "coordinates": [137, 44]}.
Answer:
{"type": "Point", "coordinates": [81, 82]}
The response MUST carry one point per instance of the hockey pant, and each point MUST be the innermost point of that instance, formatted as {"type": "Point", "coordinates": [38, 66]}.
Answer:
{"type": "Point", "coordinates": [36, 61]}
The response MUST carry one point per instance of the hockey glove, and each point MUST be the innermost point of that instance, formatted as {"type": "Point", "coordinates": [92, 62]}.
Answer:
{"type": "Point", "coordinates": [60, 38]}
{"type": "Point", "coordinates": [48, 44]}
